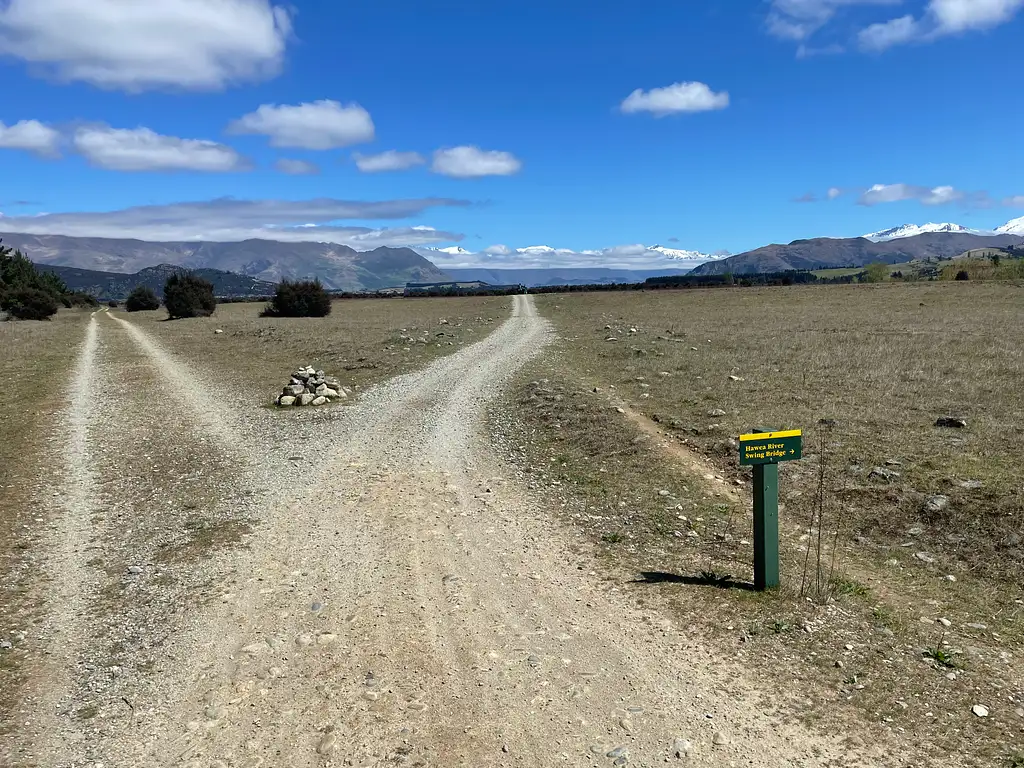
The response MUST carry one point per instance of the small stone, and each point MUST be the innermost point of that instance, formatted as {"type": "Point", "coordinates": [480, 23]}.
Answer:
{"type": "Point", "coordinates": [950, 422]}
{"type": "Point", "coordinates": [304, 640]}
{"type": "Point", "coordinates": [734, 378]}
{"type": "Point", "coordinates": [682, 748]}
{"type": "Point", "coordinates": [717, 412]}
{"type": "Point", "coordinates": [294, 389]}
{"type": "Point", "coordinates": [135, 569]}
{"type": "Point", "coordinates": [326, 638]}
{"type": "Point", "coordinates": [971, 485]}
{"type": "Point", "coordinates": [935, 504]}
{"type": "Point", "coordinates": [950, 577]}
{"type": "Point", "coordinates": [980, 710]}
{"type": "Point", "coordinates": [663, 493]}
{"type": "Point", "coordinates": [327, 743]}
{"type": "Point", "coordinates": [316, 607]}
{"type": "Point", "coordinates": [974, 625]}
{"type": "Point", "coordinates": [719, 739]}
{"type": "Point", "coordinates": [329, 393]}
{"type": "Point", "coordinates": [620, 410]}
{"type": "Point", "coordinates": [924, 557]}
{"type": "Point", "coordinates": [915, 531]}
{"type": "Point", "coordinates": [533, 660]}
{"type": "Point", "coordinates": [318, 400]}
{"type": "Point", "coordinates": [945, 622]}
{"type": "Point", "coordinates": [306, 399]}
{"type": "Point", "coordinates": [286, 400]}
{"type": "Point", "coordinates": [884, 474]}
{"type": "Point", "coordinates": [618, 752]}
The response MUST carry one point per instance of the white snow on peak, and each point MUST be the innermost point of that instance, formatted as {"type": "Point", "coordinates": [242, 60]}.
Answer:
{"type": "Point", "coordinates": [683, 255]}
{"type": "Point", "coordinates": [1012, 227]}
{"type": "Point", "coordinates": [453, 250]}
{"type": "Point", "coordinates": [912, 230]}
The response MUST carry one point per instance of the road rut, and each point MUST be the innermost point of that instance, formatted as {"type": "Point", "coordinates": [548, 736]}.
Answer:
{"type": "Point", "coordinates": [407, 601]}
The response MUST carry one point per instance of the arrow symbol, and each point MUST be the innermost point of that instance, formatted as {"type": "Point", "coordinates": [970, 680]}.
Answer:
{"type": "Point", "coordinates": [792, 451]}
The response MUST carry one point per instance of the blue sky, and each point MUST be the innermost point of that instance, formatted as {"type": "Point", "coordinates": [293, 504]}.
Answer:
{"type": "Point", "coordinates": [590, 127]}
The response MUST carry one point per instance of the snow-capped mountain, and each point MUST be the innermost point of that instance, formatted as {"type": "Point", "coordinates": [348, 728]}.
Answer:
{"type": "Point", "coordinates": [1013, 227]}
{"type": "Point", "coordinates": [912, 230]}
{"type": "Point", "coordinates": [676, 253]}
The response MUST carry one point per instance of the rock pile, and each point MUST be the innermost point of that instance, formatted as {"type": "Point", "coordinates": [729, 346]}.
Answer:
{"type": "Point", "coordinates": [309, 386]}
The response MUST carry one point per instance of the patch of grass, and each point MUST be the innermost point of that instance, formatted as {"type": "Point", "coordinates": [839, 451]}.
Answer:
{"type": "Point", "coordinates": [942, 656]}
{"type": "Point", "coordinates": [850, 587]}
{"type": "Point", "coordinates": [613, 538]}
{"type": "Point", "coordinates": [1016, 760]}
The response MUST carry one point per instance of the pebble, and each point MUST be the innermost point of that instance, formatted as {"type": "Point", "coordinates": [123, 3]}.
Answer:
{"type": "Point", "coordinates": [719, 739]}
{"type": "Point", "coordinates": [945, 622]}
{"type": "Point", "coordinates": [682, 748]}
{"type": "Point", "coordinates": [533, 660]}
{"type": "Point", "coordinates": [327, 743]}
{"type": "Point", "coordinates": [924, 557]}
{"type": "Point", "coordinates": [980, 710]}
{"type": "Point", "coordinates": [304, 640]}
{"type": "Point", "coordinates": [618, 752]}
{"type": "Point", "coordinates": [371, 695]}
{"type": "Point", "coordinates": [326, 638]}
{"type": "Point", "coordinates": [316, 607]}
{"type": "Point", "coordinates": [974, 625]}
{"type": "Point", "coordinates": [417, 706]}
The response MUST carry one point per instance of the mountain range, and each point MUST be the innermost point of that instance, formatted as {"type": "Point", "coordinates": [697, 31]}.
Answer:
{"type": "Point", "coordinates": [533, 278]}
{"type": "Point", "coordinates": [827, 252]}
{"type": "Point", "coordinates": [337, 266]}
{"type": "Point", "coordinates": [117, 285]}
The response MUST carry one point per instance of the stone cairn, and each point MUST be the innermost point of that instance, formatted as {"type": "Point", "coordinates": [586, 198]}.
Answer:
{"type": "Point", "coordinates": [309, 386]}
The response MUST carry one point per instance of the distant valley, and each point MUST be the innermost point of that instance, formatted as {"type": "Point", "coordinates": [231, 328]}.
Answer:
{"type": "Point", "coordinates": [116, 286]}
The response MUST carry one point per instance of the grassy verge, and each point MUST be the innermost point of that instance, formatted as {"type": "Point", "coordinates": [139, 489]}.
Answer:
{"type": "Point", "coordinates": [643, 467]}
{"type": "Point", "coordinates": [361, 342]}
{"type": "Point", "coordinates": [36, 359]}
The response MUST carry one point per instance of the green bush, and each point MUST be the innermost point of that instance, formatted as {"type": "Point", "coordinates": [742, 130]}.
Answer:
{"type": "Point", "coordinates": [141, 298]}
{"type": "Point", "coordinates": [302, 298]}
{"type": "Point", "coordinates": [186, 295]}
{"type": "Point", "coordinates": [29, 304]}
{"type": "Point", "coordinates": [79, 299]}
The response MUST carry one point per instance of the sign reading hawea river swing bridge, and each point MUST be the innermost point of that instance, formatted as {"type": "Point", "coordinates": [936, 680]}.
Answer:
{"type": "Point", "coordinates": [764, 451]}
{"type": "Point", "coordinates": [770, 447]}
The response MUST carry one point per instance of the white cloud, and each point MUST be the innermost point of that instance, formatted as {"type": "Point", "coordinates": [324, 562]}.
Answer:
{"type": "Point", "coordinates": [878, 37]}
{"type": "Point", "coordinates": [133, 46]}
{"type": "Point", "coordinates": [321, 125]}
{"type": "Point", "coordinates": [799, 19]}
{"type": "Point", "coordinates": [675, 98]}
{"type": "Point", "coordinates": [893, 193]}
{"type": "Point", "coordinates": [392, 160]}
{"type": "Point", "coordinates": [834, 192]}
{"type": "Point", "coordinates": [296, 167]}
{"type": "Point", "coordinates": [961, 15]}
{"type": "Point", "coordinates": [230, 220]}
{"type": "Point", "coordinates": [31, 136]}
{"type": "Point", "coordinates": [140, 149]}
{"type": "Point", "coordinates": [473, 162]}
{"type": "Point", "coordinates": [941, 18]}
{"type": "Point", "coordinates": [1016, 201]}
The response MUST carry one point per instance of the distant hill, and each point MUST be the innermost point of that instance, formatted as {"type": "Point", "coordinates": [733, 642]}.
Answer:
{"type": "Point", "coordinates": [533, 278]}
{"type": "Point", "coordinates": [828, 253]}
{"type": "Point", "coordinates": [117, 285]}
{"type": "Point", "coordinates": [338, 267]}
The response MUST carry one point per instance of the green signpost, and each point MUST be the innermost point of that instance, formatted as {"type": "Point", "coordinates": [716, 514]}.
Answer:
{"type": "Point", "coordinates": [764, 451]}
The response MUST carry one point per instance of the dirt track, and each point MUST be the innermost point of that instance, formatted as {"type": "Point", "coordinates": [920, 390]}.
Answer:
{"type": "Point", "coordinates": [404, 601]}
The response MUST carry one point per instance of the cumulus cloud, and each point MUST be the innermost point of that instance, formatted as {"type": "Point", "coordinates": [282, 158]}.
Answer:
{"type": "Point", "coordinates": [134, 46]}
{"type": "Point", "coordinates": [834, 192]}
{"type": "Point", "coordinates": [798, 20]}
{"type": "Point", "coordinates": [140, 149]}
{"type": "Point", "coordinates": [675, 98]}
{"type": "Point", "coordinates": [941, 18]}
{"type": "Point", "coordinates": [297, 167]}
{"type": "Point", "coordinates": [392, 160]}
{"type": "Point", "coordinates": [319, 125]}
{"type": "Point", "coordinates": [468, 162]}
{"type": "Point", "coordinates": [31, 136]}
{"type": "Point", "coordinates": [1017, 201]}
{"type": "Point", "coordinates": [231, 220]}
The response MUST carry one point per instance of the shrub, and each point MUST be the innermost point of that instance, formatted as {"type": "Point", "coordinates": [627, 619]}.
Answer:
{"type": "Point", "coordinates": [141, 298]}
{"type": "Point", "coordinates": [304, 298]}
{"type": "Point", "coordinates": [962, 275]}
{"type": "Point", "coordinates": [79, 299]}
{"type": "Point", "coordinates": [186, 295]}
{"type": "Point", "coordinates": [876, 273]}
{"type": "Point", "coordinates": [29, 304]}
{"type": "Point", "coordinates": [112, 304]}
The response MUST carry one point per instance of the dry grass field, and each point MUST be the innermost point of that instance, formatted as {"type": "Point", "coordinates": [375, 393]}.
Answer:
{"type": "Point", "coordinates": [916, 613]}
{"type": "Point", "coordinates": [361, 342]}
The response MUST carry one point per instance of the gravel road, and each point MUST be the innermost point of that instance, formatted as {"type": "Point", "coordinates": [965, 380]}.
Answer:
{"type": "Point", "coordinates": [403, 600]}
